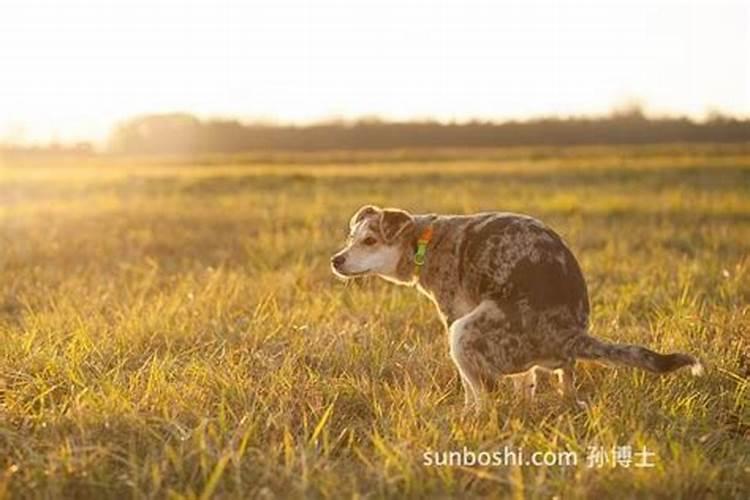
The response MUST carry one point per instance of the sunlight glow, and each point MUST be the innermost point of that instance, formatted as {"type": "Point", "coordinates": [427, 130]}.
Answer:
{"type": "Point", "coordinates": [70, 69]}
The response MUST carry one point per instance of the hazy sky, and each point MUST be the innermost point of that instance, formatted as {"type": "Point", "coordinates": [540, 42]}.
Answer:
{"type": "Point", "coordinates": [70, 69]}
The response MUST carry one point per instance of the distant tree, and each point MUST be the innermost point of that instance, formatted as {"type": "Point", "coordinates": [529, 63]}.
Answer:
{"type": "Point", "coordinates": [169, 133]}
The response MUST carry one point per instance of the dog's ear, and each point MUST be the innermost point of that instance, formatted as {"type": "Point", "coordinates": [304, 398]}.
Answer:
{"type": "Point", "coordinates": [393, 222]}
{"type": "Point", "coordinates": [363, 212]}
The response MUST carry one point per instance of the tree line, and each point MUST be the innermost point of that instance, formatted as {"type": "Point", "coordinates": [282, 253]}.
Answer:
{"type": "Point", "coordinates": [180, 133]}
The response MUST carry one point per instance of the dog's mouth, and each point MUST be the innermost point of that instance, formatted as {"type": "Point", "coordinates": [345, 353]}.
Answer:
{"type": "Point", "coordinates": [348, 274]}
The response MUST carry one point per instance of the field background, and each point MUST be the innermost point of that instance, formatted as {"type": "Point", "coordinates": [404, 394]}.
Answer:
{"type": "Point", "coordinates": [170, 326]}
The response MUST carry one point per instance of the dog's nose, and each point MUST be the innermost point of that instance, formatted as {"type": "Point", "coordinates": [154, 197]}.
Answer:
{"type": "Point", "coordinates": [337, 260]}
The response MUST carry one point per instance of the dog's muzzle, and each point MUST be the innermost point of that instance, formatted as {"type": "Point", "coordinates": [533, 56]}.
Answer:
{"type": "Point", "coordinates": [337, 261]}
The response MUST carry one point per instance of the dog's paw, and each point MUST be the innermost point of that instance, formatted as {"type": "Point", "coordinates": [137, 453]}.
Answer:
{"type": "Point", "coordinates": [581, 405]}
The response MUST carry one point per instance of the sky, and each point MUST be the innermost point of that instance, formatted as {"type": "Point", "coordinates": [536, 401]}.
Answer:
{"type": "Point", "coordinates": [70, 69]}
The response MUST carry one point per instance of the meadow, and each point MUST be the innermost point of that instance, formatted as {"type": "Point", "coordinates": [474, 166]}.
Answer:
{"type": "Point", "coordinates": [170, 327]}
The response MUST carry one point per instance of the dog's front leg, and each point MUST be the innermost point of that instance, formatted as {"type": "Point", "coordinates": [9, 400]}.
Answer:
{"type": "Point", "coordinates": [477, 351]}
{"type": "Point", "coordinates": [467, 368]}
{"type": "Point", "coordinates": [472, 398]}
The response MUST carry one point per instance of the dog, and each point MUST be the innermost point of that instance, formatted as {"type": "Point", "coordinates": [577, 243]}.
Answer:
{"type": "Point", "coordinates": [508, 290]}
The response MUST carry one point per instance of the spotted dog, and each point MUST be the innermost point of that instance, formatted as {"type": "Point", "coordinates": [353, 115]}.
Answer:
{"type": "Point", "coordinates": [507, 288]}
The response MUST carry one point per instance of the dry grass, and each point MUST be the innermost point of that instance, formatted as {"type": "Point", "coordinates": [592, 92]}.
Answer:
{"type": "Point", "coordinates": [172, 329]}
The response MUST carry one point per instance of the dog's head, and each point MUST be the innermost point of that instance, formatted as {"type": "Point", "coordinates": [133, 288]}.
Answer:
{"type": "Point", "coordinates": [378, 241]}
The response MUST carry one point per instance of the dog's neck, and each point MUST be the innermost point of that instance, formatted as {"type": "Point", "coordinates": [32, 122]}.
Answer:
{"type": "Point", "coordinates": [405, 273]}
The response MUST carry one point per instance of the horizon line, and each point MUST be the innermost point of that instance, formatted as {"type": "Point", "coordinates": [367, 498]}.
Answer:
{"type": "Point", "coordinates": [628, 109]}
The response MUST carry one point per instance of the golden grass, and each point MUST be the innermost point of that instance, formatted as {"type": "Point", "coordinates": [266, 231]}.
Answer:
{"type": "Point", "coordinates": [172, 328]}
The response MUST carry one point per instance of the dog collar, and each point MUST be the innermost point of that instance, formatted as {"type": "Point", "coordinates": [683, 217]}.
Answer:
{"type": "Point", "coordinates": [422, 242]}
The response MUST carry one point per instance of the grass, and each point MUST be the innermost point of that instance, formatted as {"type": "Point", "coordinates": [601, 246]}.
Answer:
{"type": "Point", "coordinates": [170, 328]}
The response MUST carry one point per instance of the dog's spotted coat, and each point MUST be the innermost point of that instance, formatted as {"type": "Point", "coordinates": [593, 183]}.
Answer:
{"type": "Point", "coordinates": [508, 289]}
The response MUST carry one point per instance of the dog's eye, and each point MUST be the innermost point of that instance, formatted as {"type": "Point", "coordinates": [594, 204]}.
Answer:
{"type": "Point", "coordinates": [369, 241]}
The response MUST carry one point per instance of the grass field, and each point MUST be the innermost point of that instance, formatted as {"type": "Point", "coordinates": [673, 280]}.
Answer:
{"type": "Point", "coordinates": [170, 328]}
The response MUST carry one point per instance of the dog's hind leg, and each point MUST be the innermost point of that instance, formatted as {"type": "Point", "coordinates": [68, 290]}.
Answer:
{"type": "Point", "coordinates": [524, 385]}
{"type": "Point", "coordinates": [567, 388]}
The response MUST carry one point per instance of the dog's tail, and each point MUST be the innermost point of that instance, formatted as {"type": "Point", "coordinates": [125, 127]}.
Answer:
{"type": "Point", "coordinates": [588, 347]}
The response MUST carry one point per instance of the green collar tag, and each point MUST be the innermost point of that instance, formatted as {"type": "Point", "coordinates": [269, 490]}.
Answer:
{"type": "Point", "coordinates": [419, 255]}
{"type": "Point", "coordinates": [421, 252]}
